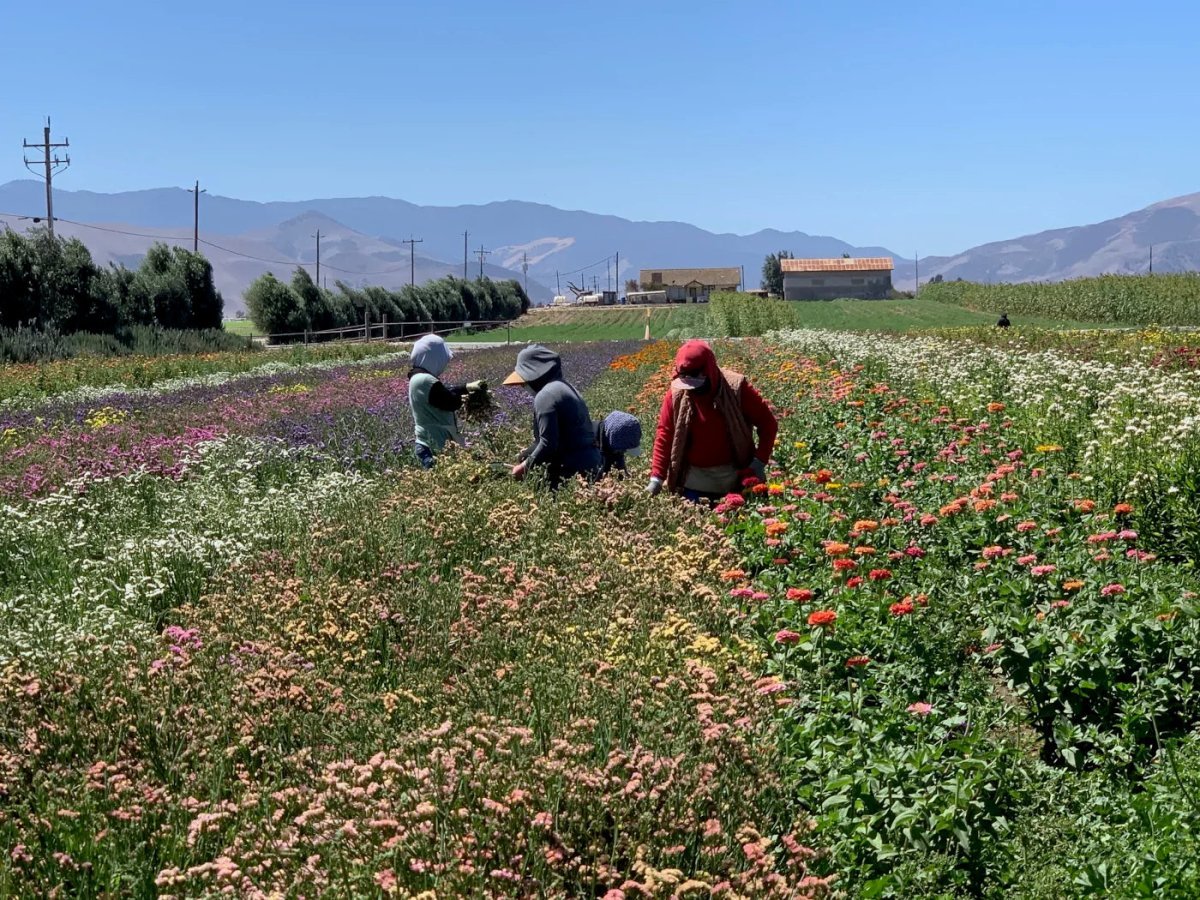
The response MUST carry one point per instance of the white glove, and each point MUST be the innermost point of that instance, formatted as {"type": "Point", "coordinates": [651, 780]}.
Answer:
{"type": "Point", "coordinates": [654, 486]}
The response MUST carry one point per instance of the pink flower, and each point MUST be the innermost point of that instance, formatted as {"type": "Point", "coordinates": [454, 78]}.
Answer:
{"type": "Point", "coordinates": [1109, 589]}
{"type": "Point", "coordinates": [1127, 535]}
{"type": "Point", "coordinates": [927, 520]}
{"type": "Point", "coordinates": [386, 879]}
{"type": "Point", "coordinates": [1042, 570]}
{"type": "Point", "coordinates": [993, 552]}
{"type": "Point", "coordinates": [1026, 526]}
{"type": "Point", "coordinates": [1027, 560]}
{"type": "Point", "coordinates": [920, 709]}
{"type": "Point", "coordinates": [786, 636]}
{"type": "Point", "coordinates": [915, 552]}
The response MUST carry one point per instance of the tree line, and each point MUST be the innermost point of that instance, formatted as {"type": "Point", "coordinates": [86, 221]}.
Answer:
{"type": "Point", "coordinates": [278, 307]}
{"type": "Point", "coordinates": [52, 284]}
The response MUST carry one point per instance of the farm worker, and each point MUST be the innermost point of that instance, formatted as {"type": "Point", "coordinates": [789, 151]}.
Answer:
{"type": "Point", "coordinates": [564, 440]}
{"type": "Point", "coordinates": [704, 446]}
{"type": "Point", "coordinates": [434, 404]}
{"type": "Point", "coordinates": [1003, 322]}
{"type": "Point", "coordinates": [617, 435]}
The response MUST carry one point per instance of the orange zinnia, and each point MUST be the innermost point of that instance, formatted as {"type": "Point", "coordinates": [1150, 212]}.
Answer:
{"type": "Point", "coordinates": [866, 525]}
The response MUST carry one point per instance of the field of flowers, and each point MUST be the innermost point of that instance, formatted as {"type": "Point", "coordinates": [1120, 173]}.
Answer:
{"type": "Point", "coordinates": [949, 648]}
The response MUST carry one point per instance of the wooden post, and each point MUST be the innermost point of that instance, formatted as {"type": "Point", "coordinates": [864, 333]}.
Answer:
{"type": "Point", "coordinates": [385, 334]}
{"type": "Point", "coordinates": [367, 326]}
{"type": "Point", "coordinates": [647, 324]}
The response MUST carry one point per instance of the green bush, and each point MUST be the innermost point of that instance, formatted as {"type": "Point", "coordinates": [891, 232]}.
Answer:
{"type": "Point", "coordinates": [29, 345]}
{"type": "Point", "coordinates": [732, 314]}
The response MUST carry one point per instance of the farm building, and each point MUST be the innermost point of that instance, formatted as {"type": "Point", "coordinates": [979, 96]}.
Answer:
{"type": "Point", "coordinates": [865, 278]}
{"type": "Point", "coordinates": [690, 285]}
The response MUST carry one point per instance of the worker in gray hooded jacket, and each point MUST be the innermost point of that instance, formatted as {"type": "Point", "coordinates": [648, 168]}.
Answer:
{"type": "Point", "coordinates": [564, 437]}
{"type": "Point", "coordinates": [434, 404]}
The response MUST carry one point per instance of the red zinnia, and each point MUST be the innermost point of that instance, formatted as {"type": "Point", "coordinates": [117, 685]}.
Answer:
{"type": "Point", "coordinates": [903, 608]}
{"type": "Point", "coordinates": [880, 574]}
{"type": "Point", "coordinates": [855, 662]}
{"type": "Point", "coordinates": [822, 617]}
{"type": "Point", "coordinates": [800, 595]}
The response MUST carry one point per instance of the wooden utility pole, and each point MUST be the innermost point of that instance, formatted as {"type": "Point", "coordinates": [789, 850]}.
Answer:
{"type": "Point", "coordinates": [52, 167]}
{"type": "Point", "coordinates": [525, 270]}
{"type": "Point", "coordinates": [465, 236]}
{"type": "Point", "coordinates": [617, 271]}
{"type": "Point", "coordinates": [1151, 259]}
{"type": "Point", "coordinates": [482, 253]}
{"type": "Point", "coordinates": [917, 273]}
{"type": "Point", "coordinates": [318, 237]}
{"type": "Point", "coordinates": [412, 269]}
{"type": "Point", "coordinates": [196, 217]}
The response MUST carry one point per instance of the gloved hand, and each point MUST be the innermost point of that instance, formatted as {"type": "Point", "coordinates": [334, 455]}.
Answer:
{"type": "Point", "coordinates": [654, 487]}
{"type": "Point", "coordinates": [477, 386]}
{"type": "Point", "coordinates": [758, 468]}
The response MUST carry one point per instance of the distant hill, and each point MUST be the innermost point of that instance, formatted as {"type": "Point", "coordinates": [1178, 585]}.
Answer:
{"type": "Point", "coordinates": [361, 240]}
{"type": "Point", "coordinates": [1120, 245]}
{"type": "Point", "coordinates": [554, 240]}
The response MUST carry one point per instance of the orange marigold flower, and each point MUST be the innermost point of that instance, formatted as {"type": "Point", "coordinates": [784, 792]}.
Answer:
{"type": "Point", "coordinates": [777, 528]}
{"type": "Point", "coordinates": [995, 407]}
{"type": "Point", "coordinates": [1072, 585]}
{"type": "Point", "coordinates": [836, 548]}
{"type": "Point", "coordinates": [822, 618]}
{"type": "Point", "coordinates": [866, 525]}
{"type": "Point", "coordinates": [864, 551]}
{"type": "Point", "coordinates": [733, 575]}
{"type": "Point", "coordinates": [984, 505]}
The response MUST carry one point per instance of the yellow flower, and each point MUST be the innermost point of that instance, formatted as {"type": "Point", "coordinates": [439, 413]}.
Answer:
{"type": "Point", "coordinates": [1048, 448]}
{"type": "Point", "coordinates": [800, 445]}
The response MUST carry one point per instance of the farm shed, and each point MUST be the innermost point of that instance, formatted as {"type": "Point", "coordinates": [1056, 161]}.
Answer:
{"type": "Point", "coordinates": [864, 278]}
{"type": "Point", "coordinates": [690, 285]}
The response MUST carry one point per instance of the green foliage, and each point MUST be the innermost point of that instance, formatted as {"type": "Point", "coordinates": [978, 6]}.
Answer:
{"type": "Point", "coordinates": [772, 272]}
{"type": "Point", "coordinates": [744, 315]}
{"type": "Point", "coordinates": [1127, 299]}
{"type": "Point", "coordinates": [30, 345]}
{"type": "Point", "coordinates": [278, 308]}
{"type": "Point", "coordinates": [51, 283]}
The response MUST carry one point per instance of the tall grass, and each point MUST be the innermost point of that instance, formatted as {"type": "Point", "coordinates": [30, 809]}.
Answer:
{"type": "Point", "coordinates": [732, 314]}
{"type": "Point", "coordinates": [1126, 299]}
{"type": "Point", "coordinates": [25, 345]}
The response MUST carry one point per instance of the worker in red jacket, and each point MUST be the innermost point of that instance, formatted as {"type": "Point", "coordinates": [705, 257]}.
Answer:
{"type": "Point", "coordinates": [704, 446]}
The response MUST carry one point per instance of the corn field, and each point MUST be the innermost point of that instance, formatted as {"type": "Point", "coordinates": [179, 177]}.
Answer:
{"type": "Point", "coordinates": [744, 315]}
{"type": "Point", "coordinates": [1126, 299]}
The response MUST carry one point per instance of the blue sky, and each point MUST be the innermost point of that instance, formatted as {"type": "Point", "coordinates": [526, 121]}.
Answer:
{"type": "Point", "coordinates": [920, 126]}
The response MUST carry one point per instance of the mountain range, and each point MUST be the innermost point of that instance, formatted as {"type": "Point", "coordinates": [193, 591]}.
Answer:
{"type": "Point", "coordinates": [362, 240]}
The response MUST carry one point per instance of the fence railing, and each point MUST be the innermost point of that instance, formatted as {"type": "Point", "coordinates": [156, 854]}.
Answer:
{"type": "Point", "coordinates": [384, 330]}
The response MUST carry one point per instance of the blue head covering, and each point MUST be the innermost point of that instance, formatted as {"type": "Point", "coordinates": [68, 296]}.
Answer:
{"type": "Point", "coordinates": [623, 432]}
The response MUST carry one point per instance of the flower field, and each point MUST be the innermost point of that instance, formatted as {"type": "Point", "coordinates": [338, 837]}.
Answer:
{"type": "Point", "coordinates": [949, 648]}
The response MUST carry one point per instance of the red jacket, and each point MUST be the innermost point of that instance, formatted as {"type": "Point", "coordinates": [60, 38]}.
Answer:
{"type": "Point", "coordinates": [708, 443]}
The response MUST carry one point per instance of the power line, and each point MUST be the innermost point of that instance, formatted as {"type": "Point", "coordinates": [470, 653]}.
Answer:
{"type": "Point", "coordinates": [196, 217]}
{"type": "Point", "coordinates": [412, 243]}
{"type": "Point", "coordinates": [482, 253]}
{"type": "Point", "coordinates": [52, 167]}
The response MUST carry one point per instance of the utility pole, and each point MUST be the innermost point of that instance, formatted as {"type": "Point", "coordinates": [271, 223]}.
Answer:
{"type": "Point", "coordinates": [482, 253]}
{"type": "Point", "coordinates": [412, 269]}
{"type": "Point", "coordinates": [525, 270]}
{"type": "Point", "coordinates": [465, 236]}
{"type": "Point", "coordinates": [917, 273]}
{"type": "Point", "coordinates": [608, 272]}
{"type": "Point", "coordinates": [196, 217]}
{"type": "Point", "coordinates": [318, 237]}
{"type": "Point", "coordinates": [558, 282]}
{"type": "Point", "coordinates": [52, 165]}
{"type": "Point", "coordinates": [1151, 259]}
{"type": "Point", "coordinates": [617, 270]}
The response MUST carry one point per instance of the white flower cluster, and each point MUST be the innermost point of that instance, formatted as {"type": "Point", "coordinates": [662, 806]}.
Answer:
{"type": "Point", "coordinates": [80, 569]}
{"type": "Point", "coordinates": [1129, 417]}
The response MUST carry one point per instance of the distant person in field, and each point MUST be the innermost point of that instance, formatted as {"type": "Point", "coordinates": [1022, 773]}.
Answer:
{"type": "Point", "coordinates": [1003, 322]}
{"type": "Point", "coordinates": [564, 438]}
{"type": "Point", "coordinates": [704, 446]}
{"type": "Point", "coordinates": [617, 435]}
{"type": "Point", "coordinates": [434, 405]}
